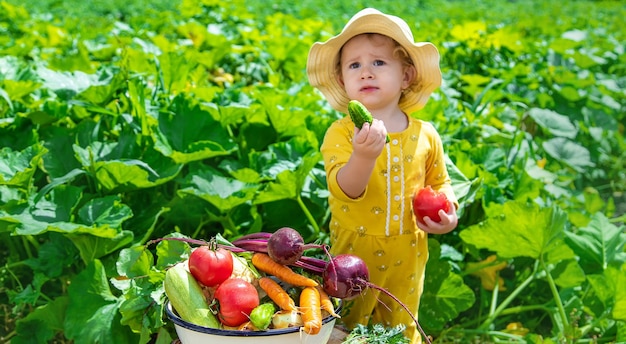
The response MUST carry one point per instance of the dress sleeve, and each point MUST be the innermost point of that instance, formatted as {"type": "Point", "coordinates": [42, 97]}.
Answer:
{"type": "Point", "coordinates": [336, 150]}
{"type": "Point", "coordinates": [436, 172]}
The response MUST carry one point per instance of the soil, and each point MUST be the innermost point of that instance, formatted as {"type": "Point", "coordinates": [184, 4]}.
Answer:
{"type": "Point", "coordinates": [337, 336]}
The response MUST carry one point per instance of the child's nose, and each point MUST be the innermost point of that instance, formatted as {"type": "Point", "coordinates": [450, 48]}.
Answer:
{"type": "Point", "coordinates": [366, 74]}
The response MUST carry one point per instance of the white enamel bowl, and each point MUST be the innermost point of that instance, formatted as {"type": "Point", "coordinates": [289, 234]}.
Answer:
{"type": "Point", "coordinates": [189, 333]}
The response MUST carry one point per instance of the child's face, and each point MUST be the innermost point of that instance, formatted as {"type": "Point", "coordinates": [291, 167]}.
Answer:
{"type": "Point", "coordinates": [371, 73]}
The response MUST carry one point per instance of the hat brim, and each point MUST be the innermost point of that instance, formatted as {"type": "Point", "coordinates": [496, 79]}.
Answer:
{"type": "Point", "coordinates": [323, 57]}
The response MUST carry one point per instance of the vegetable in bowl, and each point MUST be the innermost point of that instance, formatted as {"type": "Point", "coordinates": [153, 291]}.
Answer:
{"type": "Point", "coordinates": [341, 277]}
{"type": "Point", "coordinates": [286, 330]}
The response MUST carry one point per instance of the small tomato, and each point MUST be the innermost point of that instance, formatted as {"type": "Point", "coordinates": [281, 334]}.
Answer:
{"type": "Point", "coordinates": [428, 202]}
{"type": "Point", "coordinates": [210, 266]}
{"type": "Point", "coordinates": [237, 298]}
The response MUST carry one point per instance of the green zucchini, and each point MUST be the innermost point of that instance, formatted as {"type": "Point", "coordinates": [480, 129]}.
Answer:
{"type": "Point", "coordinates": [359, 114]}
{"type": "Point", "coordinates": [186, 296]}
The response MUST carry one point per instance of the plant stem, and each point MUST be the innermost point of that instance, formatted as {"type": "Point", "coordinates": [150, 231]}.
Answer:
{"type": "Point", "coordinates": [557, 297]}
{"type": "Point", "coordinates": [25, 241]}
{"type": "Point", "coordinates": [507, 301]}
{"type": "Point", "coordinates": [187, 240]}
{"type": "Point", "coordinates": [14, 264]}
{"type": "Point", "coordinates": [520, 309]}
{"type": "Point", "coordinates": [196, 232]}
{"type": "Point", "coordinates": [511, 338]}
{"type": "Point", "coordinates": [389, 294]}
{"type": "Point", "coordinates": [150, 230]}
{"type": "Point", "coordinates": [494, 297]}
{"type": "Point", "coordinates": [309, 216]}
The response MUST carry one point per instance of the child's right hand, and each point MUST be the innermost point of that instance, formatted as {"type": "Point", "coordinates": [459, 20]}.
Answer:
{"type": "Point", "coordinates": [367, 144]}
{"type": "Point", "coordinates": [448, 222]}
{"type": "Point", "coordinates": [369, 141]}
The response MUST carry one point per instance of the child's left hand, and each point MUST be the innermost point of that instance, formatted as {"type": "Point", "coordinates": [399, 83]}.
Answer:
{"type": "Point", "coordinates": [448, 222]}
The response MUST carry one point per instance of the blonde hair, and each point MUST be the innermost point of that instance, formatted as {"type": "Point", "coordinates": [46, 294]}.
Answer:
{"type": "Point", "coordinates": [399, 52]}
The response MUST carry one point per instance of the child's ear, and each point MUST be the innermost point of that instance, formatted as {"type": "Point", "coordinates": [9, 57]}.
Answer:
{"type": "Point", "coordinates": [339, 78]}
{"type": "Point", "coordinates": [410, 74]}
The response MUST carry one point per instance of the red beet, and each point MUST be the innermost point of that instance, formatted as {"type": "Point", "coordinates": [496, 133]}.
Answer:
{"type": "Point", "coordinates": [285, 246]}
{"type": "Point", "coordinates": [346, 276]}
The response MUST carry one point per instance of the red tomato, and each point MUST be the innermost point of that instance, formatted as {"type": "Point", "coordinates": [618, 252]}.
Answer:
{"type": "Point", "coordinates": [211, 266]}
{"type": "Point", "coordinates": [428, 202]}
{"type": "Point", "coordinates": [237, 298]}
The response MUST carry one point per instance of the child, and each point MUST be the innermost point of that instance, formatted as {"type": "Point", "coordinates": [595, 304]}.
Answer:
{"type": "Point", "coordinates": [375, 61]}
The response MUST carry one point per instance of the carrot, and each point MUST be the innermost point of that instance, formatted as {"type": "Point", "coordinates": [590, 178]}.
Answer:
{"type": "Point", "coordinates": [326, 303]}
{"type": "Point", "coordinates": [310, 309]}
{"type": "Point", "coordinates": [277, 294]}
{"type": "Point", "coordinates": [263, 262]}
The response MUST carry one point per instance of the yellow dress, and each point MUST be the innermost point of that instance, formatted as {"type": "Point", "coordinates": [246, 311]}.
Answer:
{"type": "Point", "coordinates": [379, 227]}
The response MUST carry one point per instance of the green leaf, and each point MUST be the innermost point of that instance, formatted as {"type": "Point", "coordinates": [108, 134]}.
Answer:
{"type": "Point", "coordinates": [569, 152]}
{"type": "Point", "coordinates": [236, 113]}
{"type": "Point", "coordinates": [239, 171]}
{"type": "Point", "coordinates": [223, 192]}
{"type": "Point", "coordinates": [92, 313]}
{"type": "Point", "coordinates": [461, 184]}
{"type": "Point", "coordinates": [119, 166]}
{"type": "Point", "coordinates": [17, 168]}
{"type": "Point", "coordinates": [92, 247]}
{"type": "Point", "coordinates": [28, 295]}
{"type": "Point", "coordinates": [377, 334]}
{"type": "Point", "coordinates": [527, 187]}
{"type": "Point", "coordinates": [170, 252]}
{"type": "Point", "coordinates": [588, 59]}
{"type": "Point", "coordinates": [128, 175]}
{"type": "Point", "coordinates": [70, 176]}
{"type": "Point", "coordinates": [570, 93]}
{"type": "Point", "coordinates": [564, 44]}
{"type": "Point", "coordinates": [175, 67]}
{"type": "Point", "coordinates": [163, 337]}
{"type": "Point", "coordinates": [54, 256]}
{"type": "Point", "coordinates": [58, 205]}
{"type": "Point", "coordinates": [190, 132]}
{"type": "Point", "coordinates": [135, 262]}
{"type": "Point", "coordinates": [598, 244]}
{"type": "Point", "coordinates": [285, 186]}
{"type": "Point", "coordinates": [66, 84]}
{"type": "Point", "coordinates": [59, 161]}
{"type": "Point", "coordinates": [9, 195]}
{"type": "Point", "coordinates": [568, 274]}
{"type": "Point", "coordinates": [474, 83]}
{"type": "Point", "coordinates": [42, 324]}
{"type": "Point", "coordinates": [17, 89]}
{"type": "Point", "coordinates": [286, 121]}
{"type": "Point", "coordinates": [101, 217]}
{"type": "Point", "coordinates": [554, 123]}
{"type": "Point", "coordinates": [142, 308]}
{"type": "Point", "coordinates": [5, 96]}
{"type": "Point", "coordinates": [289, 164]}
{"type": "Point", "coordinates": [519, 229]}
{"type": "Point", "coordinates": [104, 211]}
{"type": "Point", "coordinates": [445, 294]}
{"type": "Point", "coordinates": [619, 309]}
{"type": "Point", "coordinates": [603, 287]}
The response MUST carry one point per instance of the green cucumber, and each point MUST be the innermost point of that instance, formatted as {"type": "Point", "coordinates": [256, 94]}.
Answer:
{"type": "Point", "coordinates": [359, 114]}
{"type": "Point", "coordinates": [186, 296]}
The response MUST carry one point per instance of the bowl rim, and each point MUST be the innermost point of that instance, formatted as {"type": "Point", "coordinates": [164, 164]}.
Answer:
{"type": "Point", "coordinates": [171, 314]}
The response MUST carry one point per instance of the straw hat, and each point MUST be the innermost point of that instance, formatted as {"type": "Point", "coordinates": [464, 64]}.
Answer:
{"type": "Point", "coordinates": [323, 57]}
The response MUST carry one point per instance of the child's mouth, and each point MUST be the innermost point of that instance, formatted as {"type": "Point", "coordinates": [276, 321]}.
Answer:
{"type": "Point", "coordinates": [368, 88]}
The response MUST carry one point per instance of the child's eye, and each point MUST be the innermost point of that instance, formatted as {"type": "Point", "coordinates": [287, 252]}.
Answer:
{"type": "Point", "coordinates": [354, 65]}
{"type": "Point", "coordinates": [379, 63]}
